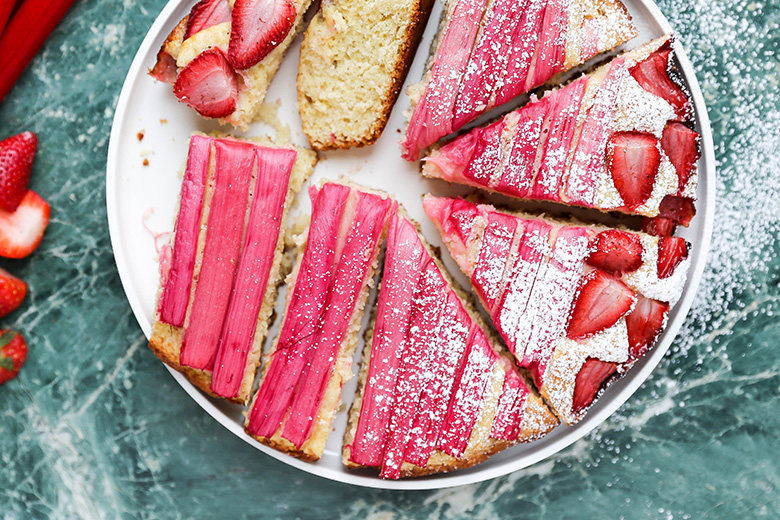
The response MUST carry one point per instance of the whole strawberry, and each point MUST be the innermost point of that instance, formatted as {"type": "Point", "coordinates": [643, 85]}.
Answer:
{"type": "Point", "coordinates": [12, 292]}
{"type": "Point", "coordinates": [16, 159]}
{"type": "Point", "coordinates": [13, 353]}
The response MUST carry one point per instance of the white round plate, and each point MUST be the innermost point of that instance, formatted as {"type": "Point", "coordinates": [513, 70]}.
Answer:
{"type": "Point", "coordinates": [141, 200]}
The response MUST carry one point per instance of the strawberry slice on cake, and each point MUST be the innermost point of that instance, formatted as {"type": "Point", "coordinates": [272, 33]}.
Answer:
{"type": "Point", "coordinates": [436, 393]}
{"type": "Point", "coordinates": [620, 138]}
{"type": "Point", "coordinates": [577, 305]}
{"type": "Point", "coordinates": [311, 359]}
{"type": "Point", "coordinates": [221, 57]}
{"type": "Point", "coordinates": [220, 271]}
{"type": "Point", "coordinates": [488, 52]}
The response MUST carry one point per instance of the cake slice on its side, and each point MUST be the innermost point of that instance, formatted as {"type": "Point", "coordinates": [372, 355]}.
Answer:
{"type": "Point", "coordinates": [577, 305]}
{"type": "Point", "coordinates": [435, 393]}
{"type": "Point", "coordinates": [354, 59]}
{"type": "Point", "coordinates": [620, 139]}
{"type": "Point", "coordinates": [489, 51]}
{"type": "Point", "coordinates": [220, 272]}
{"type": "Point", "coordinates": [300, 391]}
{"type": "Point", "coordinates": [221, 58]}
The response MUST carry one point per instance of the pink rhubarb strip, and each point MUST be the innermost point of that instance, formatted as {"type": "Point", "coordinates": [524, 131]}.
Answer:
{"type": "Point", "coordinates": [176, 291]}
{"type": "Point", "coordinates": [227, 214]}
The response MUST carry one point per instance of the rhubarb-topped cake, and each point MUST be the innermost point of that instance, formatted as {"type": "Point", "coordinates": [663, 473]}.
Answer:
{"type": "Point", "coordinates": [489, 51]}
{"type": "Point", "coordinates": [300, 390]}
{"type": "Point", "coordinates": [436, 393]}
{"type": "Point", "coordinates": [576, 304]}
{"type": "Point", "coordinates": [221, 57]}
{"type": "Point", "coordinates": [354, 59]}
{"type": "Point", "coordinates": [621, 139]}
{"type": "Point", "coordinates": [221, 268]}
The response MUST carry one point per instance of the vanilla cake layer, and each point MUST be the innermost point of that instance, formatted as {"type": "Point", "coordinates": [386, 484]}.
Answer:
{"type": "Point", "coordinates": [354, 60]}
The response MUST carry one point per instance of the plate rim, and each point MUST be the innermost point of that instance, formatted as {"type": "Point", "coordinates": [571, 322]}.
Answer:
{"type": "Point", "coordinates": [601, 411]}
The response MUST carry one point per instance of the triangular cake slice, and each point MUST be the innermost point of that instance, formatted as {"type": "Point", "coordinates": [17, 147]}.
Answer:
{"type": "Point", "coordinates": [619, 139]}
{"type": "Point", "coordinates": [577, 305]}
{"type": "Point", "coordinates": [300, 391]}
{"type": "Point", "coordinates": [220, 271]}
{"type": "Point", "coordinates": [221, 57]}
{"type": "Point", "coordinates": [489, 51]}
{"type": "Point", "coordinates": [354, 58]}
{"type": "Point", "coordinates": [436, 393]}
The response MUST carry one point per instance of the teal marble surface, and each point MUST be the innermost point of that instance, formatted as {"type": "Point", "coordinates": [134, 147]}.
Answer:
{"type": "Point", "coordinates": [95, 427]}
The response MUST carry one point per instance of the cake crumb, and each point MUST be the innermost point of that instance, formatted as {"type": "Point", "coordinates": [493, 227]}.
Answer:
{"type": "Point", "coordinates": [163, 121]}
{"type": "Point", "coordinates": [146, 162]}
{"type": "Point", "coordinates": [140, 135]}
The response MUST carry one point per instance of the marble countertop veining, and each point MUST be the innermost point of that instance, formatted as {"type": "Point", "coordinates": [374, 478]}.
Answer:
{"type": "Point", "coordinates": [95, 427]}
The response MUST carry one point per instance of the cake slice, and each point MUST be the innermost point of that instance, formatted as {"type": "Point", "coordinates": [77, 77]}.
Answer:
{"type": "Point", "coordinates": [311, 359]}
{"type": "Point", "coordinates": [577, 305]}
{"type": "Point", "coordinates": [436, 393]}
{"type": "Point", "coordinates": [489, 51]}
{"type": "Point", "coordinates": [222, 56]}
{"type": "Point", "coordinates": [220, 271]}
{"type": "Point", "coordinates": [619, 139]}
{"type": "Point", "coordinates": [354, 59]}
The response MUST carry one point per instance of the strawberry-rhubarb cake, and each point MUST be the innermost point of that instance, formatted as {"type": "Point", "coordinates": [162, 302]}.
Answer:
{"type": "Point", "coordinates": [620, 138]}
{"type": "Point", "coordinates": [576, 304]}
{"type": "Point", "coordinates": [489, 51]}
{"type": "Point", "coordinates": [436, 392]}
{"type": "Point", "coordinates": [303, 373]}
{"type": "Point", "coordinates": [220, 271]}
{"type": "Point", "coordinates": [221, 57]}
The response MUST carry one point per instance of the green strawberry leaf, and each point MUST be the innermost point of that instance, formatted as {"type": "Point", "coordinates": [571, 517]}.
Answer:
{"type": "Point", "coordinates": [7, 363]}
{"type": "Point", "coordinates": [6, 337]}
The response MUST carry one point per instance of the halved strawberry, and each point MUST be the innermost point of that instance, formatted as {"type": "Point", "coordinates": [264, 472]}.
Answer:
{"type": "Point", "coordinates": [671, 251]}
{"type": "Point", "coordinates": [591, 377]}
{"type": "Point", "coordinates": [616, 251]}
{"type": "Point", "coordinates": [205, 14]}
{"type": "Point", "coordinates": [679, 209]}
{"type": "Point", "coordinates": [22, 231]}
{"type": "Point", "coordinates": [603, 299]}
{"type": "Point", "coordinates": [13, 353]}
{"type": "Point", "coordinates": [633, 160]}
{"type": "Point", "coordinates": [659, 226]}
{"type": "Point", "coordinates": [644, 324]}
{"type": "Point", "coordinates": [12, 292]}
{"type": "Point", "coordinates": [653, 75]}
{"type": "Point", "coordinates": [208, 84]}
{"type": "Point", "coordinates": [258, 26]}
{"type": "Point", "coordinates": [16, 159]}
{"type": "Point", "coordinates": [681, 145]}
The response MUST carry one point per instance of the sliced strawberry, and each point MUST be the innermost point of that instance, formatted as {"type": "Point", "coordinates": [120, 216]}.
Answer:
{"type": "Point", "coordinates": [16, 159]}
{"type": "Point", "coordinates": [12, 292]}
{"type": "Point", "coordinates": [205, 14]}
{"type": "Point", "coordinates": [653, 75]}
{"type": "Point", "coordinates": [644, 324]}
{"type": "Point", "coordinates": [616, 251]}
{"type": "Point", "coordinates": [13, 353]}
{"type": "Point", "coordinates": [258, 27]}
{"type": "Point", "coordinates": [208, 84]}
{"type": "Point", "coordinates": [681, 146]}
{"type": "Point", "coordinates": [671, 251]}
{"type": "Point", "coordinates": [165, 68]}
{"type": "Point", "coordinates": [603, 299]}
{"type": "Point", "coordinates": [591, 377]}
{"type": "Point", "coordinates": [679, 209]}
{"type": "Point", "coordinates": [633, 162]}
{"type": "Point", "coordinates": [22, 231]}
{"type": "Point", "coordinates": [659, 226]}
